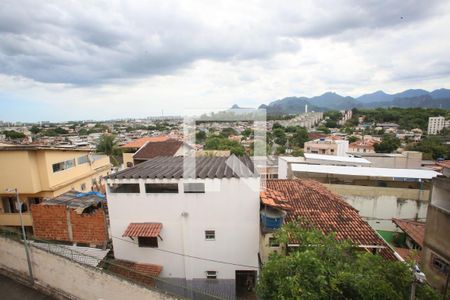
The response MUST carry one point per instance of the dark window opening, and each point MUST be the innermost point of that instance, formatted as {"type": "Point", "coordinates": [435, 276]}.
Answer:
{"type": "Point", "coordinates": [9, 205]}
{"type": "Point", "coordinates": [148, 242]}
{"type": "Point", "coordinates": [129, 164]}
{"type": "Point", "coordinates": [34, 200]}
{"type": "Point", "coordinates": [273, 242]}
{"type": "Point", "coordinates": [161, 187]}
{"type": "Point", "coordinates": [194, 187]}
{"type": "Point", "coordinates": [210, 235]}
{"type": "Point", "coordinates": [439, 264]}
{"type": "Point", "coordinates": [211, 274]}
{"type": "Point", "coordinates": [125, 188]}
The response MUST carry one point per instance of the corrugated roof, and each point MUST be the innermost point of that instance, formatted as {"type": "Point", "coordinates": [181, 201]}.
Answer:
{"type": "Point", "coordinates": [415, 230]}
{"type": "Point", "coordinates": [365, 171]}
{"type": "Point", "coordinates": [205, 167]}
{"type": "Point", "coordinates": [143, 229]}
{"type": "Point", "coordinates": [154, 149]}
{"type": "Point", "coordinates": [327, 211]}
{"type": "Point", "coordinates": [76, 200]}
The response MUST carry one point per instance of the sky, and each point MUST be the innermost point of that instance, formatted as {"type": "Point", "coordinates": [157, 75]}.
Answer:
{"type": "Point", "coordinates": [75, 60]}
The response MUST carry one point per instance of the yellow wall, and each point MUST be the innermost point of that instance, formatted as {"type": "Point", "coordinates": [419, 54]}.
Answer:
{"type": "Point", "coordinates": [19, 169]}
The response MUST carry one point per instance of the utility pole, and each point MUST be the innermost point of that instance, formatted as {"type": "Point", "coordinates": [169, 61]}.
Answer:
{"type": "Point", "coordinates": [25, 242]}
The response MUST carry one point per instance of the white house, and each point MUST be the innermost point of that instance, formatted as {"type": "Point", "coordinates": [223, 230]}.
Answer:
{"type": "Point", "coordinates": [202, 227]}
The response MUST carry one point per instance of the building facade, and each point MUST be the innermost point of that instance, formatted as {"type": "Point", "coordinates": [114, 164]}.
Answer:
{"type": "Point", "coordinates": [45, 172]}
{"type": "Point", "coordinates": [327, 147]}
{"type": "Point", "coordinates": [435, 124]}
{"type": "Point", "coordinates": [203, 229]}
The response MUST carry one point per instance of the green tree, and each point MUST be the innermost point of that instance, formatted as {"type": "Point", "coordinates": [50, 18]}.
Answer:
{"type": "Point", "coordinates": [12, 134]}
{"type": "Point", "coordinates": [200, 136]}
{"type": "Point", "coordinates": [299, 137]}
{"type": "Point", "coordinates": [432, 148]}
{"type": "Point", "coordinates": [34, 129]}
{"type": "Point", "coordinates": [322, 267]}
{"type": "Point", "coordinates": [388, 144]}
{"type": "Point", "coordinates": [226, 132]}
{"type": "Point", "coordinates": [107, 145]}
{"type": "Point", "coordinates": [352, 139]}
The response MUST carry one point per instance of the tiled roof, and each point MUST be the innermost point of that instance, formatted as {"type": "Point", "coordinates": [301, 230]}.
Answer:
{"type": "Point", "coordinates": [205, 167]}
{"type": "Point", "coordinates": [445, 164]}
{"type": "Point", "coordinates": [327, 211]}
{"type": "Point", "coordinates": [415, 230]}
{"type": "Point", "coordinates": [143, 229]}
{"type": "Point", "coordinates": [154, 149]}
{"type": "Point", "coordinates": [274, 198]}
{"type": "Point", "coordinates": [141, 142]}
{"type": "Point", "coordinates": [409, 254]}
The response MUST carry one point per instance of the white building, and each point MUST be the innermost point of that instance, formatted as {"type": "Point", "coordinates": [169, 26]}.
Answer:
{"type": "Point", "coordinates": [202, 227]}
{"type": "Point", "coordinates": [327, 146]}
{"type": "Point", "coordinates": [435, 124]}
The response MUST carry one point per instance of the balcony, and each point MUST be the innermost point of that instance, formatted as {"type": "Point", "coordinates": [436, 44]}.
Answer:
{"type": "Point", "coordinates": [13, 219]}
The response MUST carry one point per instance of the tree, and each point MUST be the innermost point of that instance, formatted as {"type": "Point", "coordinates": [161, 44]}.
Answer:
{"type": "Point", "coordinates": [299, 137]}
{"type": "Point", "coordinates": [107, 145]}
{"type": "Point", "coordinates": [226, 132]}
{"type": "Point", "coordinates": [200, 136]}
{"type": "Point", "coordinates": [12, 134]}
{"type": "Point", "coordinates": [352, 139]}
{"type": "Point", "coordinates": [34, 129]}
{"type": "Point", "coordinates": [432, 148]}
{"type": "Point", "coordinates": [322, 267]}
{"type": "Point", "coordinates": [222, 143]}
{"type": "Point", "coordinates": [388, 144]}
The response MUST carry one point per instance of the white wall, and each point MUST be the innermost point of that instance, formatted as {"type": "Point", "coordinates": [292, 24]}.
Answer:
{"type": "Point", "coordinates": [68, 277]}
{"type": "Point", "coordinates": [229, 206]}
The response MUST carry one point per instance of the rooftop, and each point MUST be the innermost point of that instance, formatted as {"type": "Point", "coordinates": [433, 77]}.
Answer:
{"type": "Point", "coordinates": [76, 200]}
{"type": "Point", "coordinates": [335, 158]}
{"type": "Point", "coordinates": [42, 148]}
{"type": "Point", "coordinates": [366, 171]}
{"type": "Point", "coordinates": [415, 230]}
{"type": "Point", "coordinates": [205, 167]}
{"type": "Point", "coordinates": [327, 211]}
{"type": "Point", "coordinates": [153, 149]}
{"type": "Point", "coordinates": [143, 229]}
{"type": "Point", "coordinates": [142, 141]}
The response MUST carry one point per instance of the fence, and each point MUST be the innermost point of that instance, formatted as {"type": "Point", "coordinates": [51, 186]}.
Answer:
{"type": "Point", "coordinates": [111, 267]}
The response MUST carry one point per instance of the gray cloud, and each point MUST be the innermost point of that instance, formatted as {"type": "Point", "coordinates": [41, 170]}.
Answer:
{"type": "Point", "coordinates": [82, 44]}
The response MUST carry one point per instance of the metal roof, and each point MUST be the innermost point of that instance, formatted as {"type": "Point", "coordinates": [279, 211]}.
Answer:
{"type": "Point", "coordinates": [205, 167]}
{"type": "Point", "coordinates": [76, 200]}
{"type": "Point", "coordinates": [336, 158]}
{"type": "Point", "coordinates": [365, 171]}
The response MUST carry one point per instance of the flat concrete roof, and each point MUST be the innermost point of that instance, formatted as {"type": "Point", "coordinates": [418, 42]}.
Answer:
{"type": "Point", "coordinates": [335, 158]}
{"type": "Point", "coordinates": [365, 171]}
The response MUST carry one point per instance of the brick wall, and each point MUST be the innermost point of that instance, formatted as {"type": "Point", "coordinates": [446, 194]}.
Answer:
{"type": "Point", "coordinates": [50, 223]}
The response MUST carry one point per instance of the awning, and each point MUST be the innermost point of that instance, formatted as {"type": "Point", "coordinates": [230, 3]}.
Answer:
{"type": "Point", "coordinates": [143, 230]}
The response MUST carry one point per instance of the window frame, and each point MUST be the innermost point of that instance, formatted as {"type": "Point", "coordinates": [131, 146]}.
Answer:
{"type": "Point", "coordinates": [169, 188]}
{"type": "Point", "coordinates": [114, 189]}
{"type": "Point", "coordinates": [194, 187]}
{"type": "Point", "coordinates": [211, 275]}
{"type": "Point", "coordinates": [210, 235]}
{"type": "Point", "coordinates": [147, 242]}
{"type": "Point", "coordinates": [445, 266]}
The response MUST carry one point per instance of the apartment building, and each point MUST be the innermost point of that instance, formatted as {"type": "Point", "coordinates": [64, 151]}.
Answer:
{"type": "Point", "coordinates": [195, 218]}
{"type": "Point", "coordinates": [436, 124]}
{"type": "Point", "coordinates": [327, 146]}
{"type": "Point", "coordinates": [45, 172]}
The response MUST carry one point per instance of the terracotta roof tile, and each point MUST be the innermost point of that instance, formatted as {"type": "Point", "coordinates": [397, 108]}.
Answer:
{"type": "Point", "coordinates": [274, 199]}
{"type": "Point", "coordinates": [142, 141]}
{"type": "Point", "coordinates": [327, 211]}
{"type": "Point", "coordinates": [409, 254]}
{"type": "Point", "coordinates": [415, 230]}
{"type": "Point", "coordinates": [143, 229]}
{"type": "Point", "coordinates": [153, 149]}
{"type": "Point", "coordinates": [445, 164]}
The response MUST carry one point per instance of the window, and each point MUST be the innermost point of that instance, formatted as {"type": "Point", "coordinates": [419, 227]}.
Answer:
{"type": "Point", "coordinates": [125, 188]}
{"type": "Point", "coordinates": [194, 187]}
{"type": "Point", "coordinates": [82, 159]}
{"type": "Point", "coordinates": [161, 187]}
{"type": "Point", "coordinates": [83, 186]}
{"type": "Point", "coordinates": [34, 200]}
{"type": "Point", "coordinates": [273, 242]}
{"type": "Point", "coordinates": [64, 165]}
{"type": "Point", "coordinates": [211, 274]}
{"type": "Point", "coordinates": [148, 242]}
{"type": "Point", "coordinates": [439, 264]}
{"type": "Point", "coordinates": [9, 205]}
{"type": "Point", "coordinates": [210, 235]}
{"type": "Point", "coordinates": [129, 164]}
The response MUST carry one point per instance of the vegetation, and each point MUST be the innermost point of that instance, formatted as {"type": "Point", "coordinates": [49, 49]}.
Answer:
{"type": "Point", "coordinates": [223, 143]}
{"type": "Point", "coordinates": [54, 131]}
{"type": "Point", "coordinates": [432, 148]}
{"type": "Point", "coordinates": [324, 268]}
{"type": "Point", "coordinates": [34, 129]}
{"type": "Point", "coordinates": [407, 118]}
{"type": "Point", "coordinates": [107, 145]}
{"type": "Point", "coordinates": [12, 134]}
{"type": "Point", "coordinates": [332, 118]}
{"type": "Point", "coordinates": [388, 144]}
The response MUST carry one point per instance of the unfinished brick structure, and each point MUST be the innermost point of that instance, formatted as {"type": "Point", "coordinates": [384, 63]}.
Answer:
{"type": "Point", "coordinates": [71, 217]}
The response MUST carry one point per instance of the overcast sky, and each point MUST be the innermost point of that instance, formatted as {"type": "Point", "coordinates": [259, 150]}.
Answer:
{"type": "Point", "coordinates": [66, 60]}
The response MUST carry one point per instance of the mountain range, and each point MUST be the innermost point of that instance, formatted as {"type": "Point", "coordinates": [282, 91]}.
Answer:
{"type": "Point", "coordinates": [331, 101]}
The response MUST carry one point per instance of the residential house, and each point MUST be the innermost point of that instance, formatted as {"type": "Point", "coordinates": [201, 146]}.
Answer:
{"type": "Point", "coordinates": [133, 146]}
{"type": "Point", "coordinates": [412, 239]}
{"type": "Point", "coordinates": [72, 217]}
{"type": "Point", "coordinates": [196, 218]}
{"type": "Point", "coordinates": [291, 199]}
{"type": "Point", "coordinates": [327, 146]}
{"type": "Point", "coordinates": [364, 146]}
{"type": "Point", "coordinates": [45, 172]}
{"type": "Point", "coordinates": [169, 147]}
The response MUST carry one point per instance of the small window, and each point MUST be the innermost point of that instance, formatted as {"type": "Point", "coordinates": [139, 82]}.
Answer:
{"type": "Point", "coordinates": [83, 186]}
{"type": "Point", "coordinates": [82, 159]}
{"type": "Point", "coordinates": [161, 187]}
{"type": "Point", "coordinates": [210, 235]}
{"type": "Point", "coordinates": [129, 164]}
{"type": "Point", "coordinates": [64, 165]}
{"type": "Point", "coordinates": [439, 264]}
{"type": "Point", "coordinates": [148, 242]}
{"type": "Point", "coordinates": [211, 274]}
{"type": "Point", "coordinates": [273, 242]}
{"type": "Point", "coordinates": [197, 187]}
{"type": "Point", "coordinates": [34, 200]}
{"type": "Point", "coordinates": [125, 188]}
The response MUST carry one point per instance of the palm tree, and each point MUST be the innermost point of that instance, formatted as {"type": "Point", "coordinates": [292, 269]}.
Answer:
{"type": "Point", "coordinates": [107, 144]}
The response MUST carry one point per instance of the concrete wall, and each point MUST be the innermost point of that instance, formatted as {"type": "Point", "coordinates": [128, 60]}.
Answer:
{"type": "Point", "coordinates": [229, 206]}
{"type": "Point", "coordinates": [378, 205]}
{"type": "Point", "coordinates": [61, 274]}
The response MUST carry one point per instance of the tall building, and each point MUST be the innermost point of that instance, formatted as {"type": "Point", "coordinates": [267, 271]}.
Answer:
{"type": "Point", "coordinates": [45, 172]}
{"type": "Point", "coordinates": [435, 124]}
